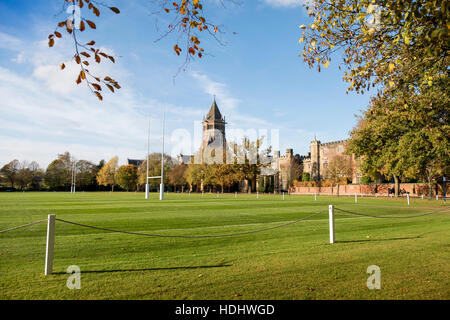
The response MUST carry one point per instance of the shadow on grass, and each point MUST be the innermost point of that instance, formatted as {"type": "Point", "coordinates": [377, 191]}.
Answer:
{"type": "Point", "coordinates": [388, 239]}
{"type": "Point", "coordinates": [152, 269]}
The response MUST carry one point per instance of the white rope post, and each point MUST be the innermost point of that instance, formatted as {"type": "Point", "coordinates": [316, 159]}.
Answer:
{"type": "Point", "coordinates": [283, 195]}
{"type": "Point", "coordinates": [235, 194]}
{"type": "Point", "coordinates": [422, 197]}
{"type": "Point", "coordinates": [356, 197]}
{"type": "Point", "coordinates": [407, 197]}
{"type": "Point", "coordinates": [331, 222]}
{"type": "Point", "coordinates": [437, 197]}
{"type": "Point", "coordinates": [203, 193]}
{"type": "Point", "coordinates": [315, 196]}
{"type": "Point", "coordinates": [50, 244]}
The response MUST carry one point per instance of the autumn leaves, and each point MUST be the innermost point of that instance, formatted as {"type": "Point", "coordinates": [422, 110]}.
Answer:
{"type": "Point", "coordinates": [85, 53]}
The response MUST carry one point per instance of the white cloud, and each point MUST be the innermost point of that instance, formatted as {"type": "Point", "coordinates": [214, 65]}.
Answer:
{"type": "Point", "coordinates": [286, 3]}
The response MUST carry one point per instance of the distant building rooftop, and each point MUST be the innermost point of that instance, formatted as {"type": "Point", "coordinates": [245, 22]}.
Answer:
{"type": "Point", "coordinates": [135, 162]}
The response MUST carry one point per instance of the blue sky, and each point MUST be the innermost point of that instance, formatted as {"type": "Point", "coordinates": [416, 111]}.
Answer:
{"type": "Point", "coordinates": [259, 80]}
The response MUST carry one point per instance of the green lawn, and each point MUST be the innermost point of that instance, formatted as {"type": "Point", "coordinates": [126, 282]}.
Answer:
{"type": "Point", "coordinates": [293, 262]}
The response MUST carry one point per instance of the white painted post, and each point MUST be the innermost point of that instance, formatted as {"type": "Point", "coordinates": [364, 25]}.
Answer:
{"type": "Point", "coordinates": [331, 222]}
{"type": "Point", "coordinates": [161, 191]}
{"type": "Point", "coordinates": [356, 197]}
{"type": "Point", "coordinates": [50, 244]}
{"type": "Point", "coordinates": [422, 197]}
{"type": "Point", "coordinates": [407, 197]}
{"type": "Point", "coordinates": [257, 195]}
{"type": "Point", "coordinates": [437, 197]}
{"type": "Point", "coordinates": [283, 195]}
{"type": "Point", "coordinates": [203, 193]}
{"type": "Point", "coordinates": [315, 196]}
{"type": "Point", "coordinates": [235, 194]}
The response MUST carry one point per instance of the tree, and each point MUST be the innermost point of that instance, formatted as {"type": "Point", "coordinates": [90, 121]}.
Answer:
{"type": "Point", "coordinates": [25, 176]}
{"type": "Point", "coordinates": [194, 175]}
{"type": "Point", "coordinates": [306, 176]}
{"type": "Point", "coordinates": [177, 176]}
{"type": "Point", "coordinates": [10, 171]}
{"type": "Point", "coordinates": [126, 176]}
{"type": "Point", "coordinates": [402, 45]}
{"type": "Point", "coordinates": [59, 172]}
{"type": "Point", "coordinates": [295, 170]}
{"type": "Point", "coordinates": [405, 135]}
{"type": "Point", "coordinates": [86, 173]}
{"type": "Point", "coordinates": [106, 175]}
{"type": "Point", "coordinates": [339, 168]}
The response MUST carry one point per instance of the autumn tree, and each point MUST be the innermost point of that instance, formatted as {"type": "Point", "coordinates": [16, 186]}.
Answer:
{"type": "Point", "coordinates": [405, 135]}
{"type": "Point", "coordinates": [194, 175]}
{"type": "Point", "coordinates": [177, 176]}
{"type": "Point", "coordinates": [126, 176]}
{"type": "Point", "coordinates": [59, 172]}
{"type": "Point", "coordinates": [25, 176]}
{"type": "Point", "coordinates": [338, 169]}
{"type": "Point", "coordinates": [10, 171]}
{"type": "Point", "coordinates": [107, 174]}
{"type": "Point", "coordinates": [401, 45]}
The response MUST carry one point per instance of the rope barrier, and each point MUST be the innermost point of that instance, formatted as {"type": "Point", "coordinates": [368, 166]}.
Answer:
{"type": "Point", "coordinates": [389, 217]}
{"type": "Point", "coordinates": [187, 236]}
{"type": "Point", "coordinates": [23, 226]}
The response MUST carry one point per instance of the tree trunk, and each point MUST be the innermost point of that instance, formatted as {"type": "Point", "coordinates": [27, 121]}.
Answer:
{"type": "Point", "coordinates": [337, 192]}
{"type": "Point", "coordinates": [396, 186]}
{"type": "Point", "coordinates": [430, 189]}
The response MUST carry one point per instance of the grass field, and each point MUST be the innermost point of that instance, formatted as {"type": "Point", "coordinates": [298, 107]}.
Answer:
{"type": "Point", "coordinates": [293, 262]}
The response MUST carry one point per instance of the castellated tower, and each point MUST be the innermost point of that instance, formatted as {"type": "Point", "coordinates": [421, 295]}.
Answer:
{"type": "Point", "coordinates": [213, 146]}
{"type": "Point", "coordinates": [315, 159]}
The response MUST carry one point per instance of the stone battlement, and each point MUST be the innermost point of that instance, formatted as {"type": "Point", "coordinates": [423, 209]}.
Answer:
{"type": "Point", "coordinates": [333, 142]}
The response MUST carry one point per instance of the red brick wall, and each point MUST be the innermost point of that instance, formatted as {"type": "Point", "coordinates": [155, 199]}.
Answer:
{"type": "Point", "coordinates": [414, 189]}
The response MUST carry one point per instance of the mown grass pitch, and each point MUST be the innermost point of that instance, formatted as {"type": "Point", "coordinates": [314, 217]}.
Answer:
{"type": "Point", "coordinates": [293, 262]}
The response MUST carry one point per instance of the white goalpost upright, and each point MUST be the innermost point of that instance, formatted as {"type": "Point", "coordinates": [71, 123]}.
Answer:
{"type": "Point", "coordinates": [161, 188]}
{"type": "Point", "coordinates": [73, 180]}
{"type": "Point", "coordinates": [147, 186]}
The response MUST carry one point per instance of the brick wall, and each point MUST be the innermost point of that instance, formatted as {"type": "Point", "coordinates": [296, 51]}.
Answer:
{"type": "Point", "coordinates": [414, 189]}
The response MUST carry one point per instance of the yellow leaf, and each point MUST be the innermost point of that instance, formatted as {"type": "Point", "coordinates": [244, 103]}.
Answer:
{"type": "Point", "coordinates": [391, 67]}
{"type": "Point", "coordinates": [326, 64]}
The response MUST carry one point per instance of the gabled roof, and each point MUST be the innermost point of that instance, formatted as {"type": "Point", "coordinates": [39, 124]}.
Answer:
{"type": "Point", "coordinates": [214, 113]}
